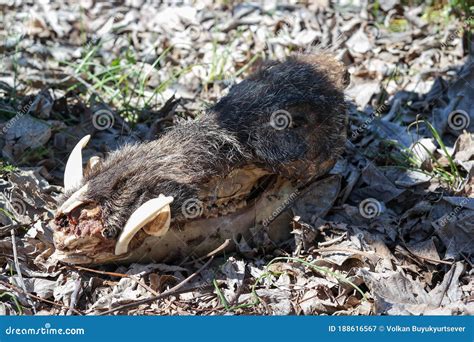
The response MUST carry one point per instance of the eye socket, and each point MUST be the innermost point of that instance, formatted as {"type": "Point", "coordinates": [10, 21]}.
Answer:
{"type": "Point", "coordinates": [109, 233]}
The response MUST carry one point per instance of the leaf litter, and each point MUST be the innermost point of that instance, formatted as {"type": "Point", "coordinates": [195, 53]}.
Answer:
{"type": "Point", "coordinates": [389, 231]}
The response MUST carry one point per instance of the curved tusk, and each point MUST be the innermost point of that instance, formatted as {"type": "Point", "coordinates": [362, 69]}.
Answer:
{"type": "Point", "coordinates": [73, 171]}
{"type": "Point", "coordinates": [74, 201]}
{"type": "Point", "coordinates": [147, 212]}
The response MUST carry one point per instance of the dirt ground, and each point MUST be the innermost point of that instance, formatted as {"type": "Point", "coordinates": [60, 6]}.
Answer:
{"type": "Point", "coordinates": [389, 231]}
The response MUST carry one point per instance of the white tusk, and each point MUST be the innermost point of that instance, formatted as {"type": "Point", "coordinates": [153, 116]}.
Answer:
{"type": "Point", "coordinates": [73, 172]}
{"type": "Point", "coordinates": [74, 201]}
{"type": "Point", "coordinates": [147, 212]}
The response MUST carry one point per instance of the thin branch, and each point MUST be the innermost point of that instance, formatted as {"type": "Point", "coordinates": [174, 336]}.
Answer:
{"type": "Point", "coordinates": [18, 271]}
{"type": "Point", "coordinates": [174, 290]}
{"type": "Point", "coordinates": [121, 275]}
{"type": "Point", "coordinates": [17, 289]}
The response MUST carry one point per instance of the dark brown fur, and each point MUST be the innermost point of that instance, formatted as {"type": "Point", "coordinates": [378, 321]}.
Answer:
{"type": "Point", "coordinates": [236, 131]}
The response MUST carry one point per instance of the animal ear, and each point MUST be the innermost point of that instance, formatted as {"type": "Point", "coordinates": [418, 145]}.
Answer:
{"type": "Point", "coordinates": [73, 171]}
{"type": "Point", "coordinates": [154, 214]}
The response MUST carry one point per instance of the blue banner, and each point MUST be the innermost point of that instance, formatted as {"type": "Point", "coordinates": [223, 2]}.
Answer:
{"type": "Point", "coordinates": [237, 328]}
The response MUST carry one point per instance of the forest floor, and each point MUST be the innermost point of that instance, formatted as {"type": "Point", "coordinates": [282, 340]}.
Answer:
{"type": "Point", "coordinates": [390, 231]}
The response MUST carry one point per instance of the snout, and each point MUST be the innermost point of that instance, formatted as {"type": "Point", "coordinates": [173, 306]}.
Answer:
{"type": "Point", "coordinates": [81, 249]}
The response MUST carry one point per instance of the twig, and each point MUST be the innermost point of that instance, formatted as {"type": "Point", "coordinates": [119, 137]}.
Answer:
{"type": "Point", "coordinates": [18, 271]}
{"type": "Point", "coordinates": [4, 231]}
{"type": "Point", "coordinates": [121, 275]}
{"type": "Point", "coordinates": [210, 254]}
{"type": "Point", "coordinates": [174, 290]}
{"type": "Point", "coordinates": [346, 250]}
{"type": "Point", "coordinates": [330, 242]}
{"type": "Point", "coordinates": [431, 260]}
{"type": "Point", "coordinates": [17, 289]}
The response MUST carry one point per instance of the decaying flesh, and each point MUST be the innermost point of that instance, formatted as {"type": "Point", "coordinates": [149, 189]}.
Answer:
{"type": "Point", "coordinates": [210, 179]}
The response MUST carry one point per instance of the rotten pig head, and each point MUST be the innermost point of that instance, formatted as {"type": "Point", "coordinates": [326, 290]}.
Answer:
{"type": "Point", "coordinates": [115, 204]}
{"type": "Point", "coordinates": [208, 179]}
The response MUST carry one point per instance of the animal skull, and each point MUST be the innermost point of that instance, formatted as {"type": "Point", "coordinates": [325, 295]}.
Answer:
{"type": "Point", "coordinates": [234, 164]}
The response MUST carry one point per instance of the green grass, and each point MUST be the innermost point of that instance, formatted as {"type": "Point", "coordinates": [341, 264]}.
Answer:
{"type": "Point", "coordinates": [5, 168]}
{"type": "Point", "coordinates": [219, 69]}
{"type": "Point", "coordinates": [398, 25]}
{"type": "Point", "coordinates": [12, 297]}
{"type": "Point", "coordinates": [124, 82]}
{"type": "Point", "coordinates": [405, 158]}
{"type": "Point", "coordinates": [268, 273]}
{"type": "Point", "coordinates": [322, 270]}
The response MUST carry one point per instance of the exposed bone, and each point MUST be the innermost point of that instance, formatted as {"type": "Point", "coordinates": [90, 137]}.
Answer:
{"type": "Point", "coordinates": [146, 213]}
{"type": "Point", "coordinates": [73, 172]}
{"type": "Point", "coordinates": [199, 237]}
